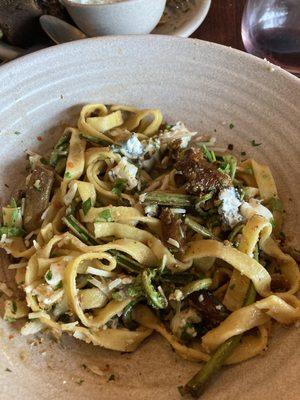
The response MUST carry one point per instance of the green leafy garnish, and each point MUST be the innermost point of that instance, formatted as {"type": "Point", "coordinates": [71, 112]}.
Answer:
{"type": "Point", "coordinates": [17, 133]}
{"type": "Point", "coordinates": [59, 285]}
{"type": "Point", "coordinates": [87, 205]}
{"type": "Point", "coordinates": [155, 296]}
{"type": "Point", "coordinates": [80, 382]}
{"type": "Point", "coordinates": [68, 175]}
{"type": "Point", "coordinates": [112, 378]}
{"type": "Point", "coordinates": [105, 215]}
{"type": "Point", "coordinates": [209, 154]}
{"type": "Point", "coordinates": [11, 231]}
{"type": "Point", "coordinates": [254, 144]}
{"type": "Point", "coordinates": [49, 275]}
{"type": "Point", "coordinates": [231, 126]}
{"type": "Point", "coordinates": [119, 186]}
{"type": "Point", "coordinates": [14, 307]}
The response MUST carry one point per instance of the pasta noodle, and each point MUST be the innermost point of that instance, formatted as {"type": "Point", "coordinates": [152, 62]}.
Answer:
{"type": "Point", "coordinates": [146, 229]}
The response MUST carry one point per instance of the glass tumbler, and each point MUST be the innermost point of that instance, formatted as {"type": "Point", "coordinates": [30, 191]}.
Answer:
{"type": "Point", "coordinates": [271, 30]}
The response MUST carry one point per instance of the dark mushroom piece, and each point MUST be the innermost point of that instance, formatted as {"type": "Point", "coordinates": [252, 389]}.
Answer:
{"type": "Point", "coordinates": [213, 312]}
{"type": "Point", "coordinates": [37, 197]}
{"type": "Point", "coordinates": [200, 176]}
{"type": "Point", "coordinates": [173, 230]}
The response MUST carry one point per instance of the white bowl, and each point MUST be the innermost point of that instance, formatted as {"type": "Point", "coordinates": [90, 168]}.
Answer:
{"type": "Point", "coordinates": [209, 87]}
{"type": "Point", "coordinates": [183, 21]}
{"type": "Point", "coordinates": [127, 17]}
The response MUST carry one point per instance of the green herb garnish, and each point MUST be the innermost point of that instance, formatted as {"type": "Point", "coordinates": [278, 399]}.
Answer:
{"type": "Point", "coordinates": [11, 231]}
{"type": "Point", "coordinates": [68, 175]}
{"type": "Point", "coordinates": [112, 378]}
{"type": "Point", "coordinates": [105, 215]}
{"type": "Point", "coordinates": [209, 154]}
{"type": "Point", "coordinates": [49, 275]}
{"type": "Point", "coordinates": [231, 126]}
{"type": "Point", "coordinates": [80, 382]}
{"type": "Point", "coordinates": [119, 186]}
{"type": "Point", "coordinates": [254, 144]}
{"type": "Point", "coordinates": [59, 285]}
{"type": "Point", "coordinates": [87, 205]}
{"type": "Point", "coordinates": [14, 307]}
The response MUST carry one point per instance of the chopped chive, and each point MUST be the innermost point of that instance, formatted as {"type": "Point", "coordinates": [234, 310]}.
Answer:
{"type": "Point", "coordinates": [87, 205]}
{"type": "Point", "coordinates": [17, 133]}
{"type": "Point", "coordinates": [59, 285]}
{"type": "Point", "coordinates": [80, 382]}
{"type": "Point", "coordinates": [49, 275]}
{"type": "Point", "coordinates": [209, 154]}
{"type": "Point", "coordinates": [68, 175]}
{"type": "Point", "coordinates": [105, 215]}
{"type": "Point", "coordinates": [231, 126]}
{"type": "Point", "coordinates": [118, 187]}
{"type": "Point", "coordinates": [254, 144]}
{"type": "Point", "coordinates": [13, 307]}
{"type": "Point", "coordinates": [243, 153]}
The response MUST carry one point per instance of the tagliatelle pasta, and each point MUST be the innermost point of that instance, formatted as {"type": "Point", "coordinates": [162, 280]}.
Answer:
{"type": "Point", "coordinates": [139, 226]}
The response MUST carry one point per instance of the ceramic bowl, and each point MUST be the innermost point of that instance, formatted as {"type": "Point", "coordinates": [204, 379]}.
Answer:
{"type": "Point", "coordinates": [207, 86]}
{"type": "Point", "coordinates": [182, 17]}
{"type": "Point", "coordinates": [123, 18]}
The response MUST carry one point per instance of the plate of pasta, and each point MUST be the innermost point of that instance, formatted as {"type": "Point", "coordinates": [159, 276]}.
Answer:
{"type": "Point", "coordinates": [140, 218]}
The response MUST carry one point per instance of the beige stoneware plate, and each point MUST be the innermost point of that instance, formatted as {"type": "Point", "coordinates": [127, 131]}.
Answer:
{"type": "Point", "coordinates": [207, 86]}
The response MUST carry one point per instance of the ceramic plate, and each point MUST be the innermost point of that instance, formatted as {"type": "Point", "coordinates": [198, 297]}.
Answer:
{"type": "Point", "coordinates": [182, 17]}
{"type": "Point", "coordinates": [207, 86]}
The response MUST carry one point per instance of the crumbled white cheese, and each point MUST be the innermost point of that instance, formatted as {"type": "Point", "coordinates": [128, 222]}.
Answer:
{"type": "Point", "coordinates": [5, 239]}
{"type": "Point", "coordinates": [37, 184]}
{"type": "Point", "coordinates": [151, 210]}
{"type": "Point", "coordinates": [178, 210]}
{"type": "Point", "coordinates": [218, 307]}
{"type": "Point", "coordinates": [142, 197]}
{"type": "Point", "coordinates": [180, 319]}
{"type": "Point", "coordinates": [133, 148]}
{"type": "Point", "coordinates": [178, 131]}
{"type": "Point", "coordinates": [177, 295]}
{"type": "Point", "coordinates": [229, 208]}
{"type": "Point", "coordinates": [255, 207]}
{"type": "Point", "coordinates": [30, 328]}
{"type": "Point", "coordinates": [55, 274]}
{"type": "Point", "coordinates": [36, 245]}
{"type": "Point", "coordinates": [173, 242]}
{"type": "Point", "coordinates": [201, 298]}
{"type": "Point", "coordinates": [125, 170]}
{"type": "Point", "coordinates": [114, 284]}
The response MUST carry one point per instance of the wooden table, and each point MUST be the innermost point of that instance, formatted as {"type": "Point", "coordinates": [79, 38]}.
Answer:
{"type": "Point", "coordinates": [223, 23]}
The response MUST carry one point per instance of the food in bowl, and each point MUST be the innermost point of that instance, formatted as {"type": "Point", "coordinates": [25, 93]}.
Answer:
{"type": "Point", "coordinates": [133, 226]}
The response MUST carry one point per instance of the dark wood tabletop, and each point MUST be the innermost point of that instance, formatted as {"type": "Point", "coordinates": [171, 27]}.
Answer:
{"type": "Point", "coordinates": [223, 23]}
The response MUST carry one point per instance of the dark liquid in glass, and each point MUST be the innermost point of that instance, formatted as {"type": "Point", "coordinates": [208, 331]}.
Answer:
{"type": "Point", "coordinates": [279, 45]}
